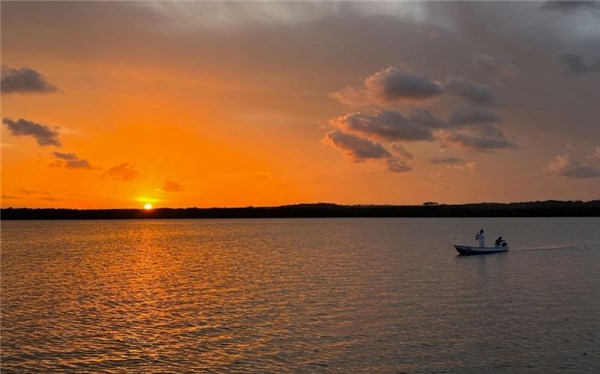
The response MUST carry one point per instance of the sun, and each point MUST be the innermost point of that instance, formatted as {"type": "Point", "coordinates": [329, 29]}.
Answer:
{"type": "Point", "coordinates": [147, 206]}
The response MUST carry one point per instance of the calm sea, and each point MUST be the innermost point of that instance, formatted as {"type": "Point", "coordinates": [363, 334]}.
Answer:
{"type": "Point", "coordinates": [300, 295]}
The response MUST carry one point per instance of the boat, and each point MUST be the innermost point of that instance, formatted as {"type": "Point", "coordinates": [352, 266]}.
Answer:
{"type": "Point", "coordinates": [467, 250]}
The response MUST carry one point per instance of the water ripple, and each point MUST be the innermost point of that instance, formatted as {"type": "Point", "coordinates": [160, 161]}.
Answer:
{"type": "Point", "coordinates": [330, 295]}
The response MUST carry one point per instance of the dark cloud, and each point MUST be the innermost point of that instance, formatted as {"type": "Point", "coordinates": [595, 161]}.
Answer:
{"type": "Point", "coordinates": [390, 86]}
{"type": "Point", "coordinates": [493, 65]}
{"type": "Point", "coordinates": [359, 149]}
{"type": "Point", "coordinates": [574, 63]}
{"type": "Point", "coordinates": [123, 172]}
{"type": "Point", "coordinates": [423, 117]}
{"type": "Point", "coordinates": [473, 92]}
{"type": "Point", "coordinates": [170, 186]}
{"type": "Point", "coordinates": [569, 167]}
{"type": "Point", "coordinates": [71, 161]}
{"type": "Point", "coordinates": [401, 152]}
{"type": "Point", "coordinates": [445, 160]}
{"type": "Point", "coordinates": [387, 125]}
{"type": "Point", "coordinates": [471, 116]}
{"type": "Point", "coordinates": [486, 138]}
{"type": "Point", "coordinates": [396, 165]}
{"type": "Point", "coordinates": [24, 80]}
{"type": "Point", "coordinates": [394, 85]}
{"type": "Point", "coordinates": [455, 163]}
{"type": "Point", "coordinates": [65, 156]}
{"type": "Point", "coordinates": [571, 5]}
{"type": "Point", "coordinates": [43, 134]}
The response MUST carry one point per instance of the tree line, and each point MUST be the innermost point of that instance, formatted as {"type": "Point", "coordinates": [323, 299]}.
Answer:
{"type": "Point", "coordinates": [521, 209]}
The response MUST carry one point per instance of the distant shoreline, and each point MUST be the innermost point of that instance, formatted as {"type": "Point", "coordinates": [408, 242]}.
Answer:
{"type": "Point", "coordinates": [523, 209]}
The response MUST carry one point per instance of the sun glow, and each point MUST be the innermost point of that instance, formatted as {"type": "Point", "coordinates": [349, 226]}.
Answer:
{"type": "Point", "coordinates": [147, 206]}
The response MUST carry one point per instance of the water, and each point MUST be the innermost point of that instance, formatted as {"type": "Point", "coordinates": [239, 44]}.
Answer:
{"type": "Point", "coordinates": [300, 295]}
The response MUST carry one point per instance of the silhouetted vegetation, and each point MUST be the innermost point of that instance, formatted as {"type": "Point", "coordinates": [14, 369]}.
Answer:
{"type": "Point", "coordinates": [527, 209]}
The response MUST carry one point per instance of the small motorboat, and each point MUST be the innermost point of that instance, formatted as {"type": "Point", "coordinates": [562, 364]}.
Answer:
{"type": "Point", "coordinates": [467, 250]}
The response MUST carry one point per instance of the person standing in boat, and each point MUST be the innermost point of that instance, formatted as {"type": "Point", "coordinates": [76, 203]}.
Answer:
{"type": "Point", "coordinates": [481, 237]}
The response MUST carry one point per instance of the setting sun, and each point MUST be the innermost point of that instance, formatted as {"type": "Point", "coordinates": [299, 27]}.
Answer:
{"type": "Point", "coordinates": [147, 206]}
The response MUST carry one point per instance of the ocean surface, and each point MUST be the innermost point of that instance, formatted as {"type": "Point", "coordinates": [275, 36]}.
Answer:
{"type": "Point", "coordinates": [376, 295]}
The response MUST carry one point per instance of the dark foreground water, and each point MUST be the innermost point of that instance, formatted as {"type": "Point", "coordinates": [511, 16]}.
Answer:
{"type": "Point", "coordinates": [300, 295]}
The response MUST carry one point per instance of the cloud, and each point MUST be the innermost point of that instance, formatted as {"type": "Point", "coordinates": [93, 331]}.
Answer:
{"type": "Point", "coordinates": [396, 165]}
{"type": "Point", "coordinates": [170, 186]}
{"type": "Point", "coordinates": [24, 80]}
{"type": "Point", "coordinates": [473, 92]}
{"type": "Point", "coordinates": [423, 117]}
{"type": "Point", "coordinates": [390, 86]}
{"type": "Point", "coordinates": [574, 63]}
{"type": "Point", "coordinates": [42, 133]}
{"type": "Point", "coordinates": [26, 191]}
{"type": "Point", "coordinates": [445, 160]}
{"type": "Point", "coordinates": [571, 6]}
{"type": "Point", "coordinates": [70, 161]}
{"type": "Point", "coordinates": [470, 127]}
{"type": "Point", "coordinates": [454, 163]}
{"type": "Point", "coordinates": [123, 172]}
{"type": "Point", "coordinates": [482, 138]}
{"type": "Point", "coordinates": [351, 96]}
{"type": "Point", "coordinates": [386, 125]}
{"type": "Point", "coordinates": [31, 194]}
{"type": "Point", "coordinates": [360, 149]}
{"type": "Point", "coordinates": [493, 65]}
{"type": "Point", "coordinates": [472, 116]}
{"type": "Point", "coordinates": [394, 85]}
{"type": "Point", "coordinates": [569, 167]}
{"type": "Point", "coordinates": [401, 153]}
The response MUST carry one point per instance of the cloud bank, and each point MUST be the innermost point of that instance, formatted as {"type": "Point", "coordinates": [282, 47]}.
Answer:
{"type": "Point", "coordinates": [472, 127]}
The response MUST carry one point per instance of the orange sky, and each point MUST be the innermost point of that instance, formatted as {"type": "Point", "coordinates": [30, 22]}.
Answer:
{"type": "Point", "coordinates": [150, 104]}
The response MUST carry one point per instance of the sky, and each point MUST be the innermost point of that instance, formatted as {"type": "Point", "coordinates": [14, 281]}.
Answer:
{"type": "Point", "coordinates": [225, 104]}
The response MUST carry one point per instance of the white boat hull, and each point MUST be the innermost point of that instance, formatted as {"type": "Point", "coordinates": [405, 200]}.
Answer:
{"type": "Point", "coordinates": [467, 250]}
